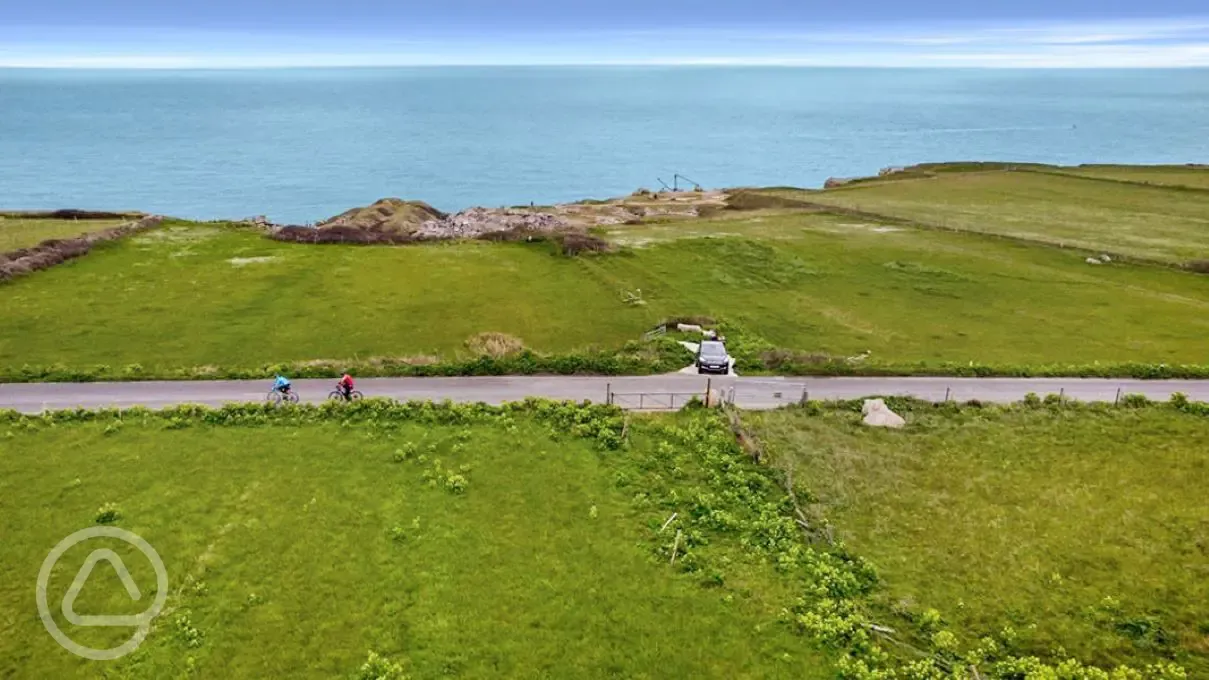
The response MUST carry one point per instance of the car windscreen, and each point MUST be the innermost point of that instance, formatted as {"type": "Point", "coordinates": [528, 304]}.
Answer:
{"type": "Point", "coordinates": [713, 350]}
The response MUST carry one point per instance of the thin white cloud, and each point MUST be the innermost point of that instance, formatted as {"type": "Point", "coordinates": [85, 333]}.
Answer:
{"type": "Point", "coordinates": [1138, 44]}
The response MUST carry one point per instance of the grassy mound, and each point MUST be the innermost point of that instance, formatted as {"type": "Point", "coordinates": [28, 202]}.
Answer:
{"type": "Point", "coordinates": [388, 215]}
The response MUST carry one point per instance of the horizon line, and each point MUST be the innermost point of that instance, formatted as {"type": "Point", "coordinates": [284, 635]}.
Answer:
{"type": "Point", "coordinates": [575, 64]}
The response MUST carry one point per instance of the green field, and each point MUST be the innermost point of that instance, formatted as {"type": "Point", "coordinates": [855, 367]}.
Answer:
{"type": "Point", "coordinates": [813, 282]}
{"type": "Point", "coordinates": [455, 542]}
{"type": "Point", "coordinates": [1164, 175]}
{"type": "Point", "coordinates": [211, 296]}
{"type": "Point", "coordinates": [1157, 223]}
{"type": "Point", "coordinates": [18, 232]}
{"type": "Point", "coordinates": [188, 296]}
{"type": "Point", "coordinates": [1081, 529]}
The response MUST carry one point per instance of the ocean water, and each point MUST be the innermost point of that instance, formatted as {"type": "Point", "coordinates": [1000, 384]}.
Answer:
{"type": "Point", "coordinates": [300, 145]}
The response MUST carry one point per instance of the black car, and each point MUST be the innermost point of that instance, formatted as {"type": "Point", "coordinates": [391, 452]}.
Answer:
{"type": "Point", "coordinates": [712, 358]}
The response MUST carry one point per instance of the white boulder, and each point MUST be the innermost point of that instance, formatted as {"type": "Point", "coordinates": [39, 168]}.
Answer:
{"type": "Point", "coordinates": [877, 414]}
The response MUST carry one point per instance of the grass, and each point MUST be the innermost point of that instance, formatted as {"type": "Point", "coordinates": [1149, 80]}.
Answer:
{"type": "Point", "coordinates": [214, 296]}
{"type": "Point", "coordinates": [1081, 529]}
{"type": "Point", "coordinates": [811, 282]}
{"type": "Point", "coordinates": [840, 285]}
{"type": "Point", "coordinates": [16, 232]}
{"type": "Point", "coordinates": [1157, 223]}
{"type": "Point", "coordinates": [295, 548]}
{"type": "Point", "coordinates": [1162, 175]}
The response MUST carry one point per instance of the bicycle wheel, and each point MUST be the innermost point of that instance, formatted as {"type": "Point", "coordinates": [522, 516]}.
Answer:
{"type": "Point", "coordinates": [292, 397]}
{"type": "Point", "coordinates": [335, 395]}
{"type": "Point", "coordinates": [355, 396]}
{"type": "Point", "coordinates": [274, 397]}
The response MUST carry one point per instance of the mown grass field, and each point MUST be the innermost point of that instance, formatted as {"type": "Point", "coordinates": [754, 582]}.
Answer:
{"type": "Point", "coordinates": [295, 548]}
{"type": "Point", "coordinates": [197, 296]}
{"type": "Point", "coordinates": [1080, 529]}
{"type": "Point", "coordinates": [1163, 175]}
{"type": "Point", "coordinates": [18, 232]}
{"type": "Point", "coordinates": [1151, 222]}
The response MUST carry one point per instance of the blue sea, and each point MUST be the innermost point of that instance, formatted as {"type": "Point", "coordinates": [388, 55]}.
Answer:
{"type": "Point", "coordinates": [300, 145]}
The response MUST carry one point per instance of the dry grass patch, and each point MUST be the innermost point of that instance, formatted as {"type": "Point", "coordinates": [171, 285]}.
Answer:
{"type": "Point", "coordinates": [495, 345]}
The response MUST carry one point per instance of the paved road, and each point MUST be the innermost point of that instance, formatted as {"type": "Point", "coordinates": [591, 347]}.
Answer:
{"type": "Point", "coordinates": [666, 391]}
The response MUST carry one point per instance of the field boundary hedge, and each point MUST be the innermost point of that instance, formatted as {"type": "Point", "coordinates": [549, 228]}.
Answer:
{"type": "Point", "coordinates": [661, 355]}
{"type": "Point", "coordinates": [53, 252]}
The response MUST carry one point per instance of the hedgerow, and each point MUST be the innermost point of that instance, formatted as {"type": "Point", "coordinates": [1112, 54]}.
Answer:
{"type": "Point", "coordinates": [598, 422]}
{"type": "Point", "coordinates": [661, 355]}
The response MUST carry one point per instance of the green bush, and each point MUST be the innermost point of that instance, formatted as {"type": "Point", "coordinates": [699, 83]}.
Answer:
{"type": "Point", "coordinates": [108, 514]}
{"type": "Point", "coordinates": [1135, 401]}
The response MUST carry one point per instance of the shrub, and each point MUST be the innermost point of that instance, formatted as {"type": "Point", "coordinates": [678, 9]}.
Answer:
{"type": "Point", "coordinates": [404, 453]}
{"type": "Point", "coordinates": [187, 632]}
{"type": "Point", "coordinates": [340, 234]}
{"type": "Point", "coordinates": [576, 243]}
{"type": "Point", "coordinates": [1197, 266]}
{"type": "Point", "coordinates": [456, 483]}
{"type": "Point", "coordinates": [108, 514]}
{"type": "Point", "coordinates": [377, 667]}
{"type": "Point", "coordinates": [1135, 401]}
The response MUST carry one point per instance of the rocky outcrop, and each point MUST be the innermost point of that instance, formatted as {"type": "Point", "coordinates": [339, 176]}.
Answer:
{"type": "Point", "coordinates": [478, 222]}
{"type": "Point", "coordinates": [389, 216]}
{"type": "Point", "coordinates": [56, 251]}
{"type": "Point", "coordinates": [396, 221]}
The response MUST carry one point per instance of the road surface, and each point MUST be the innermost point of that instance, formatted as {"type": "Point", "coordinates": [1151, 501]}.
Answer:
{"type": "Point", "coordinates": [651, 392]}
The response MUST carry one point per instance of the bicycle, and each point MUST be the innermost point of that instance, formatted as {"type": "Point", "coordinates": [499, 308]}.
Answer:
{"type": "Point", "coordinates": [277, 396]}
{"type": "Point", "coordinates": [338, 395]}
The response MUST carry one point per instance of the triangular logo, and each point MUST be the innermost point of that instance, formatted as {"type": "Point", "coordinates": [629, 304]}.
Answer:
{"type": "Point", "coordinates": [77, 585]}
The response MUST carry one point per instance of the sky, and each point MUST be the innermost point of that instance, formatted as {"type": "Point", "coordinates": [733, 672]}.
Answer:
{"type": "Point", "coordinates": [281, 33]}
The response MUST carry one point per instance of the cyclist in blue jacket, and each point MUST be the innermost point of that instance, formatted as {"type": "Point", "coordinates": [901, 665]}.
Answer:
{"type": "Point", "coordinates": [282, 384]}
